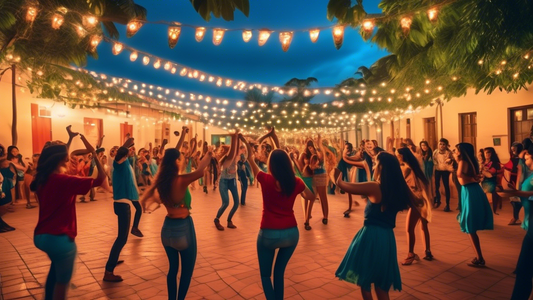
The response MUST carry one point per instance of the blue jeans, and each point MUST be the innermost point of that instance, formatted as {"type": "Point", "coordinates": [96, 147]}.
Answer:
{"type": "Point", "coordinates": [179, 239]}
{"type": "Point", "coordinates": [226, 185]}
{"type": "Point", "coordinates": [62, 252]}
{"type": "Point", "coordinates": [244, 188]}
{"type": "Point", "coordinates": [268, 241]}
{"type": "Point", "coordinates": [123, 212]}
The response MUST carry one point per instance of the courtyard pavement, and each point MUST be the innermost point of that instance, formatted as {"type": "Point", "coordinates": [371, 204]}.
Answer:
{"type": "Point", "coordinates": [227, 267]}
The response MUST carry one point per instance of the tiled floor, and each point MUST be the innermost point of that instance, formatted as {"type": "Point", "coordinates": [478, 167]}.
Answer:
{"type": "Point", "coordinates": [227, 267]}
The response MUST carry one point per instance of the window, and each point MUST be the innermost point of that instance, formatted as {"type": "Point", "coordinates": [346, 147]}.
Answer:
{"type": "Point", "coordinates": [521, 123]}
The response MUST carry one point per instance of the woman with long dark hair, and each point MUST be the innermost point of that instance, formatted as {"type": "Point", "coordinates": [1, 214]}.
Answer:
{"type": "Point", "coordinates": [171, 188]}
{"type": "Point", "coordinates": [426, 153]}
{"type": "Point", "coordinates": [57, 228]}
{"type": "Point", "coordinates": [372, 256]}
{"type": "Point", "coordinates": [512, 167]}
{"type": "Point", "coordinates": [475, 213]}
{"type": "Point", "coordinates": [491, 169]}
{"type": "Point", "coordinates": [420, 210]}
{"type": "Point", "coordinates": [279, 188]}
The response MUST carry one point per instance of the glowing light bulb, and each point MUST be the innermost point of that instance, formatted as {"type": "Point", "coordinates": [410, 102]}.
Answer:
{"type": "Point", "coordinates": [218, 35]}
{"type": "Point", "coordinates": [313, 34]}
{"type": "Point", "coordinates": [285, 38]}
{"type": "Point", "coordinates": [57, 21]}
{"type": "Point", "coordinates": [31, 14]}
{"type": "Point", "coordinates": [432, 14]}
{"type": "Point", "coordinates": [368, 26]}
{"type": "Point", "coordinates": [338, 36]}
{"type": "Point", "coordinates": [90, 21]}
{"type": "Point", "coordinates": [133, 27]}
{"type": "Point", "coordinates": [263, 36]}
{"type": "Point", "coordinates": [200, 33]}
{"type": "Point", "coordinates": [167, 66]}
{"type": "Point", "coordinates": [95, 41]}
{"type": "Point", "coordinates": [146, 60]}
{"type": "Point", "coordinates": [173, 35]}
{"type": "Point", "coordinates": [246, 35]}
{"type": "Point", "coordinates": [133, 56]}
{"type": "Point", "coordinates": [157, 64]}
{"type": "Point", "coordinates": [405, 23]}
{"type": "Point", "coordinates": [117, 48]}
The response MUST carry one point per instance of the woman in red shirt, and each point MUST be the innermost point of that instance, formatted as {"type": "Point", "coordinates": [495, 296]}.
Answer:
{"type": "Point", "coordinates": [279, 230]}
{"type": "Point", "coordinates": [57, 228]}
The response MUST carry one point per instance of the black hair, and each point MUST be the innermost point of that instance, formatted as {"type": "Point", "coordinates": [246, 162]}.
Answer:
{"type": "Point", "coordinates": [519, 148]}
{"type": "Point", "coordinates": [280, 166]}
{"type": "Point", "coordinates": [412, 162]}
{"type": "Point", "coordinates": [468, 155]}
{"type": "Point", "coordinates": [426, 154]}
{"type": "Point", "coordinates": [121, 153]}
{"type": "Point", "coordinates": [48, 162]}
{"type": "Point", "coordinates": [527, 143]}
{"type": "Point", "coordinates": [494, 158]}
{"type": "Point", "coordinates": [167, 172]}
{"type": "Point", "coordinates": [395, 194]}
{"type": "Point", "coordinates": [445, 141]}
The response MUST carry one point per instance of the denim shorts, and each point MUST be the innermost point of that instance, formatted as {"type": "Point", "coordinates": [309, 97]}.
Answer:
{"type": "Point", "coordinates": [278, 238]}
{"type": "Point", "coordinates": [178, 233]}
{"type": "Point", "coordinates": [62, 252]}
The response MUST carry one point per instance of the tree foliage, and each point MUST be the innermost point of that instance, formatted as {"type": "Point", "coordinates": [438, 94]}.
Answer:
{"type": "Point", "coordinates": [220, 8]}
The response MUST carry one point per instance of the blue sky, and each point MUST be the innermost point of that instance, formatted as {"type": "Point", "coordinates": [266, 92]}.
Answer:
{"type": "Point", "coordinates": [234, 58]}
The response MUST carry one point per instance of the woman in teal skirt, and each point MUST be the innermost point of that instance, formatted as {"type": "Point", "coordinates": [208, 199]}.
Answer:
{"type": "Point", "coordinates": [372, 256]}
{"type": "Point", "coordinates": [475, 212]}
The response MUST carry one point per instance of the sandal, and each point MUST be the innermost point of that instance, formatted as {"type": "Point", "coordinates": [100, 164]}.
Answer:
{"type": "Point", "coordinates": [428, 256]}
{"type": "Point", "coordinates": [307, 227]}
{"type": "Point", "coordinates": [410, 258]}
{"type": "Point", "coordinates": [477, 263]}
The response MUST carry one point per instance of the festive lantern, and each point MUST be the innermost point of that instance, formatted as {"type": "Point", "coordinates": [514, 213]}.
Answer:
{"type": "Point", "coordinates": [133, 56]}
{"type": "Point", "coordinates": [31, 14]}
{"type": "Point", "coordinates": [95, 41]}
{"type": "Point", "coordinates": [167, 65]}
{"type": "Point", "coordinates": [313, 34]}
{"type": "Point", "coordinates": [173, 35]}
{"type": "Point", "coordinates": [117, 48]}
{"type": "Point", "coordinates": [338, 36]}
{"type": "Point", "coordinates": [218, 35]}
{"type": "Point", "coordinates": [57, 21]}
{"type": "Point", "coordinates": [264, 34]}
{"type": "Point", "coordinates": [432, 14]}
{"type": "Point", "coordinates": [146, 60]}
{"type": "Point", "coordinates": [133, 27]}
{"type": "Point", "coordinates": [246, 35]}
{"type": "Point", "coordinates": [157, 64]}
{"type": "Point", "coordinates": [405, 23]}
{"type": "Point", "coordinates": [200, 33]}
{"type": "Point", "coordinates": [285, 38]}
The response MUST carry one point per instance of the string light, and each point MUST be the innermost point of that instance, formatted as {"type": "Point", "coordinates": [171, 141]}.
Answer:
{"type": "Point", "coordinates": [432, 14]}
{"type": "Point", "coordinates": [57, 20]}
{"type": "Point", "coordinates": [133, 56]}
{"type": "Point", "coordinates": [405, 23]}
{"type": "Point", "coordinates": [338, 36]}
{"type": "Point", "coordinates": [146, 60]}
{"type": "Point", "coordinates": [246, 35]}
{"type": "Point", "coordinates": [157, 64]}
{"type": "Point", "coordinates": [285, 38]}
{"type": "Point", "coordinates": [368, 26]}
{"type": "Point", "coordinates": [173, 35]}
{"type": "Point", "coordinates": [90, 21]}
{"type": "Point", "coordinates": [117, 48]}
{"type": "Point", "coordinates": [95, 41]}
{"type": "Point", "coordinates": [132, 27]}
{"type": "Point", "coordinates": [264, 34]}
{"type": "Point", "coordinates": [200, 33]}
{"type": "Point", "coordinates": [313, 34]}
{"type": "Point", "coordinates": [218, 35]}
{"type": "Point", "coordinates": [31, 14]}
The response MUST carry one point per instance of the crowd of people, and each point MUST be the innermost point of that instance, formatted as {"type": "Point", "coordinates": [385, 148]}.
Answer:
{"type": "Point", "coordinates": [400, 176]}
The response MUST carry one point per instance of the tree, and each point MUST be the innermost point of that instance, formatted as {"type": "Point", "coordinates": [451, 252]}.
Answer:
{"type": "Point", "coordinates": [36, 34]}
{"type": "Point", "coordinates": [302, 94]}
{"type": "Point", "coordinates": [220, 8]}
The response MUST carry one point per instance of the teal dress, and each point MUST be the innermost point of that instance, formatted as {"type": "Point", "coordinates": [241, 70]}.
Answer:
{"type": "Point", "coordinates": [372, 255]}
{"type": "Point", "coordinates": [475, 212]}
{"type": "Point", "coordinates": [526, 186]}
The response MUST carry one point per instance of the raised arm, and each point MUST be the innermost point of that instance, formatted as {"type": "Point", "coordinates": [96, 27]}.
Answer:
{"type": "Point", "coordinates": [101, 172]}
{"type": "Point", "coordinates": [370, 189]}
{"type": "Point", "coordinates": [162, 148]}
{"type": "Point", "coordinates": [234, 146]}
{"type": "Point", "coordinates": [192, 145]}
{"type": "Point", "coordinates": [71, 136]}
{"type": "Point", "coordinates": [251, 160]}
{"type": "Point", "coordinates": [274, 137]}
{"type": "Point", "coordinates": [184, 131]}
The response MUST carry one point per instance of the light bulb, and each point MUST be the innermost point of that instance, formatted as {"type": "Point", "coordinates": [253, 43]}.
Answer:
{"type": "Point", "coordinates": [133, 27]}
{"type": "Point", "coordinates": [263, 36]}
{"type": "Point", "coordinates": [133, 56]}
{"type": "Point", "coordinates": [173, 35]}
{"type": "Point", "coordinates": [285, 38]}
{"type": "Point", "coordinates": [200, 33]}
{"type": "Point", "coordinates": [117, 48]}
{"type": "Point", "coordinates": [338, 36]}
{"type": "Point", "coordinates": [313, 34]}
{"type": "Point", "coordinates": [31, 14]}
{"type": "Point", "coordinates": [218, 35]}
{"type": "Point", "coordinates": [246, 35]}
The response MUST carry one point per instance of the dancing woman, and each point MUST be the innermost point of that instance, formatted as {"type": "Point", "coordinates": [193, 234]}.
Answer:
{"type": "Point", "coordinates": [171, 188]}
{"type": "Point", "coordinates": [372, 256]}
{"type": "Point", "coordinates": [420, 210]}
{"type": "Point", "coordinates": [475, 212]}
{"type": "Point", "coordinates": [56, 229]}
{"type": "Point", "coordinates": [427, 158]}
{"type": "Point", "coordinates": [279, 188]}
{"type": "Point", "coordinates": [228, 183]}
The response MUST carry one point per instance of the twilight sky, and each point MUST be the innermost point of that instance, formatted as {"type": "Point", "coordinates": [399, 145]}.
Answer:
{"type": "Point", "coordinates": [234, 58]}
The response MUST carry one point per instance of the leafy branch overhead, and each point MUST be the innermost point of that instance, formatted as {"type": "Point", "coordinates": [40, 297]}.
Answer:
{"type": "Point", "coordinates": [483, 44]}
{"type": "Point", "coordinates": [220, 8]}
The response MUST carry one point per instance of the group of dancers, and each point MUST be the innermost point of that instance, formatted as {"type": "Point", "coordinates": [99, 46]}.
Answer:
{"type": "Point", "coordinates": [390, 180]}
